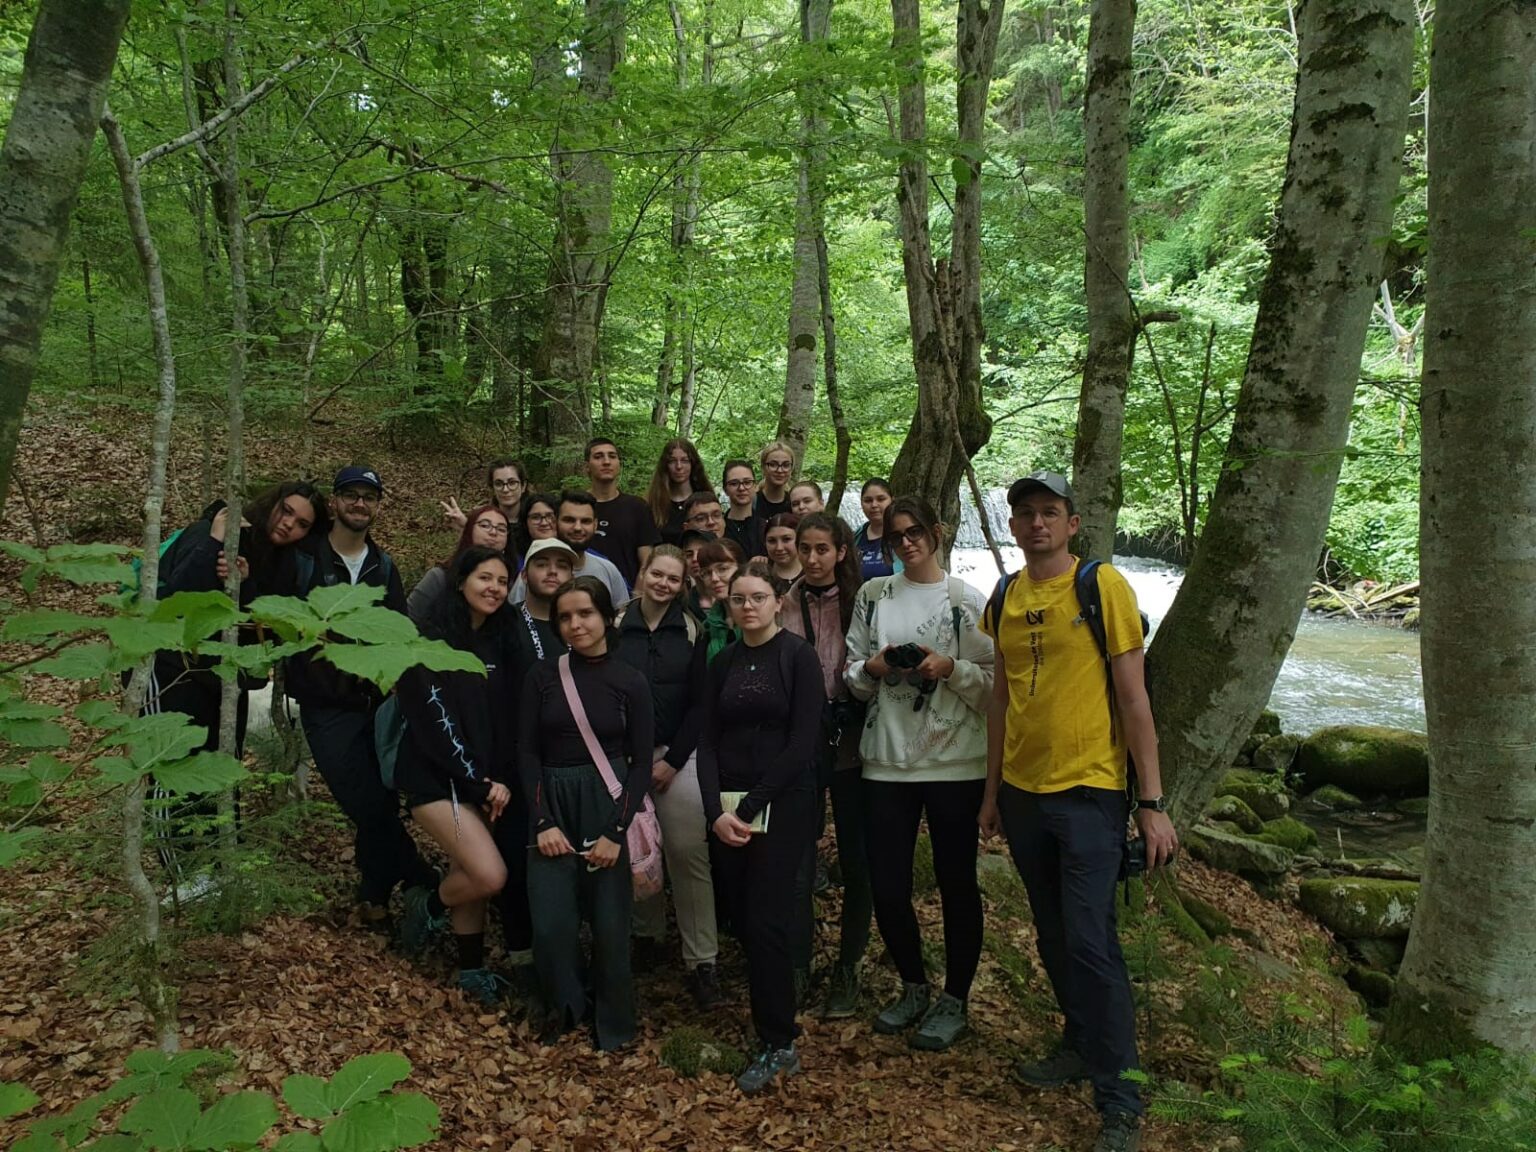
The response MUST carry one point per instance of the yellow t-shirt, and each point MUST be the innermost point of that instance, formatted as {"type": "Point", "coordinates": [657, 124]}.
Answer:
{"type": "Point", "coordinates": [1058, 725]}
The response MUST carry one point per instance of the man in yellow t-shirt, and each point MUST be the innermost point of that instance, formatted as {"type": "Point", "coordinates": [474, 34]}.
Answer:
{"type": "Point", "coordinates": [1056, 776]}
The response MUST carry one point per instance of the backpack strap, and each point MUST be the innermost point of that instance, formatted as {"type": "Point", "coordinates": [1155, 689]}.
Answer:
{"type": "Point", "coordinates": [956, 600]}
{"type": "Point", "coordinates": [994, 609]}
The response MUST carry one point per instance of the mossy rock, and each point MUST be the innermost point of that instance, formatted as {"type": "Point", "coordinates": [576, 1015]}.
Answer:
{"type": "Point", "coordinates": [1289, 832]}
{"type": "Point", "coordinates": [1335, 799]}
{"type": "Point", "coordinates": [690, 1050]}
{"type": "Point", "coordinates": [1277, 754]}
{"type": "Point", "coordinates": [1232, 810]}
{"type": "Point", "coordinates": [1374, 987]}
{"type": "Point", "coordinates": [1211, 918]}
{"type": "Point", "coordinates": [1366, 760]}
{"type": "Point", "coordinates": [1361, 907]}
{"type": "Point", "coordinates": [1383, 955]}
{"type": "Point", "coordinates": [1262, 793]}
{"type": "Point", "coordinates": [1413, 806]}
{"type": "Point", "coordinates": [1410, 620]}
{"type": "Point", "coordinates": [1240, 854]}
{"type": "Point", "coordinates": [1268, 724]}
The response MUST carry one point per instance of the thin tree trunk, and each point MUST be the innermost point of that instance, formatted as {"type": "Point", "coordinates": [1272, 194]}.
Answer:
{"type": "Point", "coordinates": [93, 369]}
{"type": "Point", "coordinates": [1467, 976]}
{"type": "Point", "coordinates": [157, 998]}
{"type": "Point", "coordinates": [688, 397]}
{"type": "Point", "coordinates": [829, 371]}
{"type": "Point", "coordinates": [63, 89]}
{"type": "Point", "coordinates": [1216, 655]}
{"type": "Point", "coordinates": [1106, 266]}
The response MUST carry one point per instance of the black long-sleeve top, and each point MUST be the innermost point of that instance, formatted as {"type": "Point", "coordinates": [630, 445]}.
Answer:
{"type": "Point", "coordinates": [617, 701]}
{"type": "Point", "coordinates": [762, 721]}
{"type": "Point", "coordinates": [676, 669]}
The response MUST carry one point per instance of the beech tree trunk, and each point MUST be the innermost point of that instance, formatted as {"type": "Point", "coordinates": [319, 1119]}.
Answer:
{"type": "Point", "coordinates": [1106, 266]}
{"type": "Point", "coordinates": [578, 273]}
{"type": "Point", "coordinates": [1216, 656]}
{"type": "Point", "coordinates": [950, 424]}
{"type": "Point", "coordinates": [1467, 975]}
{"type": "Point", "coordinates": [829, 367]}
{"type": "Point", "coordinates": [63, 89]}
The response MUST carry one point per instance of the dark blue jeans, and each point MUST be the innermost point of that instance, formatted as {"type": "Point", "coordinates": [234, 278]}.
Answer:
{"type": "Point", "coordinates": [1067, 847]}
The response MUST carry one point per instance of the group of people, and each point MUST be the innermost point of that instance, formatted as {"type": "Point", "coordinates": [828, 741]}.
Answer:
{"type": "Point", "coordinates": [731, 664]}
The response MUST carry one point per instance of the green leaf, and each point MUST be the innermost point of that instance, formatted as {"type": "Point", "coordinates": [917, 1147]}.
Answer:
{"type": "Point", "coordinates": [115, 1142]}
{"type": "Point", "coordinates": [299, 1142]}
{"type": "Point", "coordinates": [960, 169]}
{"type": "Point", "coordinates": [386, 663]}
{"type": "Point", "coordinates": [390, 1122]}
{"type": "Point", "coordinates": [376, 624]}
{"type": "Point", "coordinates": [14, 845]}
{"type": "Point", "coordinates": [366, 1077]}
{"type": "Point", "coordinates": [21, 551]}
{"type": "Point", "coordinates": [155, 1069]}
{"type": "Point", "coordinates": [204, 772]}
{"type": "Point", "coordinates": [47, 768]}
{"type": "Point", "coordinates": [338, 599]}
{"type": "Point", "coordinates": [291, 618]}
{"type": "Point", "coordinates": [116, 769]}
{"type": "Point", "coordinates": [89, 563]}
{"type": "Point", "coordinates": [165, 1118]}
{"type": "Point", "coordinates": [238, 1119]}
{"type": "Point", "coordinates": [79, 662]}
{"type": "Point", "coordinates": [16, 708]}
{"type": "Point", "coordinates": [201, 614]}
{"type": "Point", "coordinates": [34, 733]}
{"type": "Point", "coordinates": [24, 794]}
{"type": "Point", "coordinates": [136, 636]}
{"type": "Point", "coordinates": [308, 1096]}
{"type": "Point", "coordinates": [100, 714]}
{"type": "Point", "coordinates": [16, 1099]}
{"type": "Point", "coordinates": [48, 622]}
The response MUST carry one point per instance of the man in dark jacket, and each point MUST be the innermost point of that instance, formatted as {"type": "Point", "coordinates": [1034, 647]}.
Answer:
{"type": "Point", "coordinates": [337, 709]}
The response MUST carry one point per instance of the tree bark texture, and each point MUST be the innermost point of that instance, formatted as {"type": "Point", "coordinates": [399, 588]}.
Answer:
{"type": "Point", "coordinates": [950, 424]}
{"type": "Point", "coordinates": [1215, 658]}
{"type": "Point", "coordinates": [1467, 974]}
{"type": "Point", "coordinates": [840, 432]}
{"type": "Point", "coordinates": [578, 272]}
{"type": "Point", "coordinates": [63, 89]}
{"type": "Point", "coordinates": [1106, 266]}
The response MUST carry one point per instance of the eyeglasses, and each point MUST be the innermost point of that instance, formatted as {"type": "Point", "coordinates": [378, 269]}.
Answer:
{"type": "Point", "coordinates": [745, 482]}
{"type": "Point", "coordinates": [357, 497]}
{"type": "Point", "coordinates": [778, 465]}
{"type": "Point", "coordinates": [506, 485]}
{"type": "Point", "coordinates": [541, 517]}
{"type": "Point", "coordinates": [914, 535]}
{"type": "Point", "coordinates": [491, 527]}
{"type": "Point", "coordinates": [757, 600]}
{"type": "Point", "coordinates": [707, 517]}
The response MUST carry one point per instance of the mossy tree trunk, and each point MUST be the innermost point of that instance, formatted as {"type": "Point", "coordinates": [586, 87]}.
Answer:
{"type": "Point", "coordinates": [1467, 975]}
{"type": "Point", "coordinates": [1215, 659]}
{"type": "Point", "coordinates": [1106, 264]}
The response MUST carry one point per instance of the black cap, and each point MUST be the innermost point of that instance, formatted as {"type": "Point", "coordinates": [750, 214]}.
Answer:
{"type": "Point", "coordinates": [357, 474]}
{"type": "Point", "coordinates": [699, 534]}
{"type": "Point", "coordinates": [1053, 482]}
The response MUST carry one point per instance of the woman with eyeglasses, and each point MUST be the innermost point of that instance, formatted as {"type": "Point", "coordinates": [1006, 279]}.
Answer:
{"type": "Point", "coordinates": [876, 559]}
{"type": "Point", "coordinates": [916, 655]}
{"type": "Point", "coordinates": [538, 522]}
{"type": "Point", "coordinates": [757, 754]}
{"type": "Point", "coordinates": [742, 523]}
{"type": "Point", "coordinates": [777, 461]}
{"type": "Point", "coordinates": [485, 527]}
{"type": "Point", "coordinates": [506, 477]}
{"type": "Point", "coordinates": [719, 561]}
{"type": "Point", "coordinates": [678, 474]}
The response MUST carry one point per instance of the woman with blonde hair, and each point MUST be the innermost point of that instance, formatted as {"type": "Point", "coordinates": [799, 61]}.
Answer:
{"type": "Point", "coordinates": [777, 461]}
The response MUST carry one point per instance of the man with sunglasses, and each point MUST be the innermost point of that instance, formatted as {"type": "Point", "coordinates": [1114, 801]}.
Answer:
{"type": "Point", "coordinates": [337, 709]}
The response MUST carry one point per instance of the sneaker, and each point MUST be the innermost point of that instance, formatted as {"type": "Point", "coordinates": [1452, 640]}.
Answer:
{"type": "Point", "coordinates": [705, 987]}
{"type": "Point", "coordinates": [842, 994]}
{"type": "Point", "coordinates": [1061, 1067]}
{"type": "Point", "coordinates": [907, 1011]}
{"type": "Point", "coordinates": [942, 1025]}
{"type": "Point", "coordinates": [1121, 1132]}
{"type": "Point", "coordinates": [483, 985]}
{"type": "Point", "coordinates": [771, 1063]}
{"type": "Point", "coordinates": [418, 925]}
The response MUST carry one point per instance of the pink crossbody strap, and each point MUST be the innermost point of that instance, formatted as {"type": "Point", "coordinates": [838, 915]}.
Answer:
{"type": "Point", "coordinates": [584, 726]}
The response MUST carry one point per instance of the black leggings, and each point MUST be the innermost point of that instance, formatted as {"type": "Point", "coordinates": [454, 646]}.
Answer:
{"type": "Point", "coordinates": [892, 813]}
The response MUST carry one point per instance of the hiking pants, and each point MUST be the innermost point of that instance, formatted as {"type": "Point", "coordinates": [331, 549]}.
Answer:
{"type": "Point", "coordinates": [847, 792]}
{"type": "Point", "coordinates": [685, 845]}
{"type": "Point", "coordinates": [341, 741]}
{"type": "Point", "coordinates": [892, 813]}
{"type": "Point", "coordinates": [1067, 847]}
{"type": "Point", "coordinates": [513, 836]}
{"type": "Point", "coordinates": [758, 881]}
{"type": "Point", "coordinates": [562, 888]}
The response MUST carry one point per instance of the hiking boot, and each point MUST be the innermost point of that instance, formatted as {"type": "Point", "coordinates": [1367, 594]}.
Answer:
{"type": "Point", "coordinates": [942, 1025]}
{"type": "Point", "coordinates": [904, 1013]}
{"type": "Point", "coordinates": [1121, 1132]}
{"type": "Point", "coordinates": [418, 925]}
{"type": "Point", "coordinates": [483, 986]}
{"type": "Point", "coordinates": [771, 1063]}
{"type": "Point", "coordinates": [1061, 1067]}
{"type": "Point", "coordinates": [705, 987]}
{"type": "Point", "coordinates": [843, 994]}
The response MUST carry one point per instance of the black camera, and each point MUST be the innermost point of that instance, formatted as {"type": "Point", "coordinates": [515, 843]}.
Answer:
{"type": "Point", "coordinates": [1133, 859]}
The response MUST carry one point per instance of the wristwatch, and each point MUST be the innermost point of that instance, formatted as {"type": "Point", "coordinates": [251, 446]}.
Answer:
{"type": "Point", "coordinates": [1155, 804]}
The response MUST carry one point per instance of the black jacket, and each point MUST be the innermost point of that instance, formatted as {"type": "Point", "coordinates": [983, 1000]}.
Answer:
{"type": "Point", "coordinates": [676, 669]}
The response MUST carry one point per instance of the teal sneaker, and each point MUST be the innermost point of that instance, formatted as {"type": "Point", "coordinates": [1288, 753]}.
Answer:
{"type": "Point", "coordinates": [905, 1012]}
{"type": "Point", "coordinates": [483, 985]}
{"type": "Point", "coordinates": [770, 1064]}
{"type": "Point", "coordinates": [942, 1025]}
{"type": "Point", "coordinates": [418, 925]}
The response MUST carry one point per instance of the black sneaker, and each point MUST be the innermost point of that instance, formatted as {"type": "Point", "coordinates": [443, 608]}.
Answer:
{"type": "Point", "coordinates": [1121, 1132]}
{"type": "Point", "coordinates": [1062, 1067]}
{"type": "Point", "coordinates": [705, 987]}
{"type": "Point", "coordinates": [418, 926]}
{"type": "Point", "coordinates": [904, 1013]}
{"type": "Point", "coordinates": [771, 1064]}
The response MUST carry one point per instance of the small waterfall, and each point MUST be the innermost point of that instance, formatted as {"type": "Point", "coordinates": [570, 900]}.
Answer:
{"type": "Point", "coordinates": [968, 535]}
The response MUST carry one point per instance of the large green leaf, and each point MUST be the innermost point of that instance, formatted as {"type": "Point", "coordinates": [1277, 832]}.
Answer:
{"type": "Point", "coordinates": [48, 622]}
{"type": "Point", "coordinates": [16, 1099]}
{"type": "Point", "coordinates": [299, 1142]}
{"type": "Point", "coordinates": [237, 1120]}
{"type": "Point", "coordinates": [202, 614]}
{"type": "Point", "coordinates": [389, 1122]}
{"type": "Point", "coordinates": [308, 1096]}
{"type": "Point", "coordinates": [137, 636]}
{"type": "Point", "coordinates": [365, 1077]}
{"type": "Point", "coordinates": [34, 734]}
{"type": "Point", "coordinates": [15, 845]}
{"type": "Point", "coordinates": [290, 617]}
{"type": "Point", "coordinates": [376, 624]}
{"type": "Point", "coordinates": [204, 772]}
{"type": "Point", "coordinates": [342, 598]}
{"type": "Point", "coordinates": [149, 1069]}
{"type": "Point", "coordinates": [100, 713]}
{"type": "Point", "coordinates": [157, 739]}
{"type": "Point", "coordinates": [386, 663]}
{"type": "Point", "coordinates": [48, 769]}
{"type": "Point", "coordinates": [21, 551]}
{"type": "Point", "coordinates": [80, 662]}
{"type": "Point", "coordinates": [165, 1118]}
{"type": "Point", "coordinates": [116, 769]}
{"type": "Point", "coordinates": [24, 794]}
{"type": "Point", "coordinates": [17, 708]}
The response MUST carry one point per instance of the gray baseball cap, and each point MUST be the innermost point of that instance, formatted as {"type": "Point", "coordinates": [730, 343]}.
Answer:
{"type": "Point", "coordinates": [1053, 482]}
{"type": "Point", "coordinates": [551, 545]}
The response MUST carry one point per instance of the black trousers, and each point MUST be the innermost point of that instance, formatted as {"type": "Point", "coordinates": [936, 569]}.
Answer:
{"type": "Point", "coordinates": [758, 882]}
{"type": "Point", "coordinates": [847, 792]}
{"type": "Point", "coordinates": [1067, 847]}
{"type": "Point", "coordinates": [513, 835]}
{"type": "Point", "coordinates": [893, 811]}
{"type": "Point", "coordinates": [341, 741]}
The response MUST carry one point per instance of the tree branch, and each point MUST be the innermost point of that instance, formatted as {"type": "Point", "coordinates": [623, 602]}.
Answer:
{"type": "Point", "coordinates": [208, 127]}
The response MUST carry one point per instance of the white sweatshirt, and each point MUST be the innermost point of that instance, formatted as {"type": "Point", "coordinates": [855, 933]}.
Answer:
{"type": "Point", "coordinates": [945, 739]}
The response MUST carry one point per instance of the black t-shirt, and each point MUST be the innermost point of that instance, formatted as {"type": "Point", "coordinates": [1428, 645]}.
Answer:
{"type": "Point", "coordinates": [748, 533]}
{"type": "Point", "coordinates": [624, 526]}
{"type": "Point", "coordinates": [672, 530]}
{"type": "Point", "coordinates": [762, 507]}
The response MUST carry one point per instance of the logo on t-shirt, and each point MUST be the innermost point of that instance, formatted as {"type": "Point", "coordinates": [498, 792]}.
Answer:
{"type": "Point", "coordinates": [1032, 618]}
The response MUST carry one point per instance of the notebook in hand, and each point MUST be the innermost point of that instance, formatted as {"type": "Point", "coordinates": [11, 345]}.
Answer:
{"type": "Point", "coordinates": [729, 801]}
